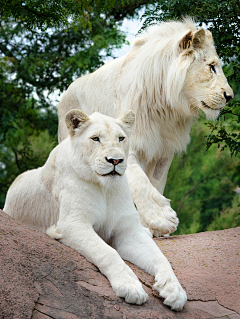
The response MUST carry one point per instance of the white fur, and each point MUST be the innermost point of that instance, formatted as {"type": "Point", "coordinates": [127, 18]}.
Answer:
{"type": "Point", "coordinates": [94, 214]}
{"type": "Point", "coordinates": [163, 79]}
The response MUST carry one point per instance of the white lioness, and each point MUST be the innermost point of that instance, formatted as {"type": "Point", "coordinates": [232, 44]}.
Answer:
{"type": "Point", "coordinates": [83, 189]}
{"type": "Point", "coordinates": [171, 72]}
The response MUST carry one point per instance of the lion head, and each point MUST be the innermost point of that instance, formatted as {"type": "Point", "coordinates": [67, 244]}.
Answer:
{"type": "Point", "coordinates": [99, 144]}
{"type": "Point", "coordinates": [205, 84]}
{"type": "Point", "coordinates": [180, 70]}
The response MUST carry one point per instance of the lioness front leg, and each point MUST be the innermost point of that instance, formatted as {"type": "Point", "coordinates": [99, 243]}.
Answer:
{"type": "Point", "coordinates": [154, 209]}
{"type": "Point", "coordinates": [82, 238]}
{"type": "Point", "coordinates": [135, 245]}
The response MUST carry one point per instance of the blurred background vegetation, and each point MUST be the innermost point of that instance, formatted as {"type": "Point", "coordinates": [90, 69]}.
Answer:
{"type": "Point", "coordinates": [45, 45]}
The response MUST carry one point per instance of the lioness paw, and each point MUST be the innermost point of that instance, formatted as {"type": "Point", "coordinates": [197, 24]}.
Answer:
{"type": "Point", "coordinates": [173, 293]}
{"type": "Point", "coordinates": [131, 290]}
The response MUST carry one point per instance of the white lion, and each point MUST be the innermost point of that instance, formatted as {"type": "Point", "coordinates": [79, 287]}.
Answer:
{"type": "Point", "coordinates": [83, 189]}
{"type": "Point", "coordinates": [171, 72]}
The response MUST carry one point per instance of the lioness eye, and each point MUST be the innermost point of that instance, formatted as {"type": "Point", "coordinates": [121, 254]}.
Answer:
{"type": "Point", "coordinates": [95, 138]}
{"type": "Point", "coordinates": [212, 67]}
{"type": "Point", "coordinates": [121, 138]}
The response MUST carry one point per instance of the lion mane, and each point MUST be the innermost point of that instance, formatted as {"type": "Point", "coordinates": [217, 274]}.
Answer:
{"type": "Point", "coordinates": [157, 75]}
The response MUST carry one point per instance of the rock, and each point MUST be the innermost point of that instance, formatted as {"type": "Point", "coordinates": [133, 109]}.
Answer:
{"type": "Point", "coordinates": [41, 279]}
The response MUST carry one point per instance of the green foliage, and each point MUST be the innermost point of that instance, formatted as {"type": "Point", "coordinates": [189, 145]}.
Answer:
{"type": "Point", "coordinates": [230, 217]}
{"type": "Point", "coordinates": [50, 60]}
{"type": "Point", "coordinates": [222, 19]}
{"type": "Point", "coordinates": [49, 13]}
{"type": "Point", "coordinates": [21, 121]}
{"type": "Point", "coordinates": [43, 14]}
{"type": "Point", "coordinates": [44, 46]}
{"type": "Point", "coordinates": [201, 185]}
{"type": "Point", "coordinates": [226, 131]}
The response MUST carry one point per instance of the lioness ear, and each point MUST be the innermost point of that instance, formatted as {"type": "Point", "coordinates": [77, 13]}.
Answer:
{"type": "Point", "coordinates": [126, 121]}
{"type": "Point", "coordinates": [128, 118]}
{"type": "Point", "coordinates": [193, 40]}
{"type": "Point", "coordinates": [75, 119]}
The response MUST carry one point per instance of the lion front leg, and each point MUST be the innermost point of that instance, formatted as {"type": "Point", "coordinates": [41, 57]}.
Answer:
{"type": "Point", "coordinates": [82, 238]}
{"type": "Point", "coordinates": [135, 245]}
{"type": "Point", "coordinates": [157, 172]}
{"type": "Point", "coordinates": [154, 209]}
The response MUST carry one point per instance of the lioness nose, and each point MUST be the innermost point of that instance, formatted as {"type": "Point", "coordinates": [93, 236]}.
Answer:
{"type": "Point", "coordinates": [114, 161]}
{"type": "Point", "coordinates": [227, 97]}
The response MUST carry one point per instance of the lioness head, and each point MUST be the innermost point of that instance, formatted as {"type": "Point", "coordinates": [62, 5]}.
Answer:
{"type": "Point", "coordinates": [99, 144]}
{"type": "Point", "coordinates": [205, 86]}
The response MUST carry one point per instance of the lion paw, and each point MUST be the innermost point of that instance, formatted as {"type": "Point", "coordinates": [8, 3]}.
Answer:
{"type": "Point", "coordinates": [161, 220]}
{"type": "Point", "coordinates": [131, 290]}
{"type": "Point", "coordinates": [171, 290]}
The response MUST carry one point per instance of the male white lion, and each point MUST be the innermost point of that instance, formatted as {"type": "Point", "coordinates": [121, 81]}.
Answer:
{"type": "Point", "coordinates": [83, 189]}
{"type": "Point", "coordinates": [171, 72]}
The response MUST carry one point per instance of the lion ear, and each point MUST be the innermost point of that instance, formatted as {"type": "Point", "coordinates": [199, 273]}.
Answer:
{"type": "Point", "coordinates": [75, 119]}
{"type": "Point", "coordinates": [209, 36]}
{"type": "Point", "coordinates": [199, 38]}
{"type": "Point", "coordinates": [138, 42]}
{"type": "Point", "coordinates": [186, 41]}
{"type": "Point", "coordinates": [193, 40]}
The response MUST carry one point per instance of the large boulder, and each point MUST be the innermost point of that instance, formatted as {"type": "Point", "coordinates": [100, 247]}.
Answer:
{"type": "Point", "coordinates": [41, 279]}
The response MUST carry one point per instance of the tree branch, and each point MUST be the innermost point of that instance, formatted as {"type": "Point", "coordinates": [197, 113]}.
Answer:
{"type": "Point", "coordinates": [16, 159]}
{"type": "Point", "coordinates": [191, 190]}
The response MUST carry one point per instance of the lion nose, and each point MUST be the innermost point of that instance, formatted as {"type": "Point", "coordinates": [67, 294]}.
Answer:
{"type": "Point", "coordinates": [114, 161]}
{"type": "Point", "coordinates": [227, 97]}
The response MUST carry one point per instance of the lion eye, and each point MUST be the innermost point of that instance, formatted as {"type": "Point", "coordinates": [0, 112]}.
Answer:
{"type": "Point", "coordinates": [121, 138]}
{"type": "Point", "coordinates": [95, 139]}
{"type": "Point", "coordinates": [212, 67]}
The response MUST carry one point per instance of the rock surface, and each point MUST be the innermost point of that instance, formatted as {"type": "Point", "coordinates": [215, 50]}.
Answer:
{"type": "Point", "coordinates": [41, 279]}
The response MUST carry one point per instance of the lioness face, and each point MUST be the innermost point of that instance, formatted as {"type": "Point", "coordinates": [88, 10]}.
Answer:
{"type": "Point", "coordinates": [107, 147]}
{"type": "Point", "coordinates": [206, 86]}
{"type": "Point", "coordinates": [102, 143]}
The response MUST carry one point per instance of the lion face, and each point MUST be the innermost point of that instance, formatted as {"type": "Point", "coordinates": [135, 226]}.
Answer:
{"type": "Point", "coordinates": [206, 86]}
{"type": "Point", "coordinates": [101, 143]}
